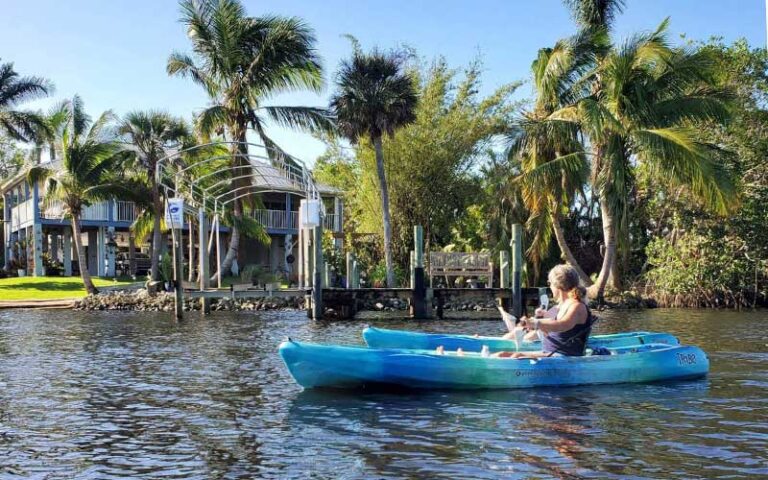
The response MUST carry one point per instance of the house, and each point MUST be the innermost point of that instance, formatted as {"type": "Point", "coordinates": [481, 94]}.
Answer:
{"type": "Point", "coordinates": [35, 229]}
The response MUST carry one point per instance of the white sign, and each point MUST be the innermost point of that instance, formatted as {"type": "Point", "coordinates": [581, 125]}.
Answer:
{"type": "Point", "coordinates": [174, 213]}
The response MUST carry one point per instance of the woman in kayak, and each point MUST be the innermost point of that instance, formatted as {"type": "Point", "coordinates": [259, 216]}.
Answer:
{"type": "Point", "coordinates": [567, 326]}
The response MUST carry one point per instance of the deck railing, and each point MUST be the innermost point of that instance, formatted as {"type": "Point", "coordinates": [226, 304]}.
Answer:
{"type": "Point", "coordinates": [276, 219]}
{"type": "Point", "coordinates": [122, 211]}
{"type": "Point", "coordinates": [22, 213]}
{"type": "Point", "coordinates": [125, 211]}
{"type": "Point", "coordinates": [280, 219]}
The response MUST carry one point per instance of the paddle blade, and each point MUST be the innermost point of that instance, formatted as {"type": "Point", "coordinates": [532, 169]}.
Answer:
{"type": "Point", "coordinates": [544, 300]}
{"type": "Point", "coordinates": [509, 320]}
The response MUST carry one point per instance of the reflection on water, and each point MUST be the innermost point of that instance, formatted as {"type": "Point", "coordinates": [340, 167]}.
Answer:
{"type": "Point", "coordinates": [104, 395]}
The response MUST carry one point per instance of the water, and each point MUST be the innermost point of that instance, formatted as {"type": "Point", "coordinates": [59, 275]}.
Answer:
{"type": "Point", "coordinates": [110, 395]}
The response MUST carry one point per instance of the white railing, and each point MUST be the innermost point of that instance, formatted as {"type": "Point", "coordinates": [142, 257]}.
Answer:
{"type": "Point", "coordinates": [288, 221]}
{"type": "Point", "coordinates": [276, 218]}
{"type": "Point", "coordinates": [97, 211]}
{"type": "Point", "coordinates": [125, 211]}
{"type": "Point", "coordinates": [22, 213]}
{"type": "Point", "coordinates": [329, 222]}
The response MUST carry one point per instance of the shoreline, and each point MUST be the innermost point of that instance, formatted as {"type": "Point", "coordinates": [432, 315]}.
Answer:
{"type": "Point", "coordinates": [141, 301]}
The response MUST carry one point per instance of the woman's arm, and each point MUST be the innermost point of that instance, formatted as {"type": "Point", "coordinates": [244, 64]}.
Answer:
{"type": "Point", "coordinates": [574, 316]}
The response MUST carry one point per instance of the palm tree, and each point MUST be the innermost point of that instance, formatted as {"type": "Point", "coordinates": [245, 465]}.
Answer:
{"type": "Point", "coordinates": [20, 125]}
{"type": "Point", "coordinates": [91, 162]}
{"type": "Point", "coordinates": [241, 62]}
{"type": "Point", "coordinates": [554, 167]}
{"type": "Point", "coordinates": [151, 135]}
{"type": "Point", "coordinates": [645, 101]}
{"type": "Point", "coordinates": [375, 96]}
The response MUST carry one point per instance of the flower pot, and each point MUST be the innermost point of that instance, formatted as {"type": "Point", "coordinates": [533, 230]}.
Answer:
{"type": "Point", "coordinates": [22, 272]}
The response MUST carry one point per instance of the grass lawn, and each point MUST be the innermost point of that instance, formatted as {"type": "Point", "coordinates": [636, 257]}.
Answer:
{"type": "Point", "coordinates": [50, 288]}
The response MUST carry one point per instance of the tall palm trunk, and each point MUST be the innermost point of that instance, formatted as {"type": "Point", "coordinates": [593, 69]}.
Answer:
{"type": "Point", "coordinates": [157, 205]}
{"type": "Point", "coordinates": [385, 211]}
{"type": "Point", "coordinates": [81, 261]}
{"type": "Point", "coordinates": [566, 250]}
{"type": "Point", "coordinates": [609, 237]}
{"type": "Point", "coordinates": [237, 206]}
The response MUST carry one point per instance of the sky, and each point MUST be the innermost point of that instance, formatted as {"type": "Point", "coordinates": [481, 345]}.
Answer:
{"type": "Point", "coordinates": [113, 52]}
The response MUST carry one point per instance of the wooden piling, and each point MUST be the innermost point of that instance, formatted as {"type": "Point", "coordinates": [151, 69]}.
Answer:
{"type": "Point", "coordinates": [419, 307]}
{"type": "Point", "coordinates": [205, 303]}
{"type": "Point", "coordinates": [178, 273]}
{"type": "Point", "coordinates": [517, 269]}
{"type": "Point", "coordinates": [350, 267]}
{"type": "Point", "coordinates": [317, 268]}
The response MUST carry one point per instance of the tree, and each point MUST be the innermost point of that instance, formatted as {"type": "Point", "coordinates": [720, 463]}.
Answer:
{"type": "Point", "coordinates": [375, 96]}
{"type": "Point", "coordinates": [11, 158]}
{"type": "Point", "coordinates": [647, 99]}
{"type": "Point", "coordinates": [91, 165]}
{"type": "Point", "coordinates": [20, 125]}
{"type": "Point", "coordinates": [151, 135]}
{"type": "Point", "coordinates": [554, 167]}
{"type": "Point", "coordinates": [241, 62]}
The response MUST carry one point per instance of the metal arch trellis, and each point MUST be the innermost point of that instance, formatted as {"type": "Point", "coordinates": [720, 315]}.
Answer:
{"type": "Point", "coordinates": [294, 172]}
{"type": "Point", "coordinates": [284, 173]}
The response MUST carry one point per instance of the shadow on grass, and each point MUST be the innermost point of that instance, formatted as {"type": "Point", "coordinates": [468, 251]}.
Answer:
{"type": "Point", "coordinates": [51, 285]}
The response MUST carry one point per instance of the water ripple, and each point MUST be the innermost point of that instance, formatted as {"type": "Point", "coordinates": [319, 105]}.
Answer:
{"type": "Point", "coordinates": [108, 396]}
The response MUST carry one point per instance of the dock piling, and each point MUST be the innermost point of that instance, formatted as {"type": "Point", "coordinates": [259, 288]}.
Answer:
{"type": "Point", "coordinates": [517, 269]}
{"type": "Point", "coordinates": [205, 303]}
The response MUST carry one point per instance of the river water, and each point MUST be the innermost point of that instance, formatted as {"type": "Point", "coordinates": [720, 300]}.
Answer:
{"type": "Point", "coordinates": [132, 395]}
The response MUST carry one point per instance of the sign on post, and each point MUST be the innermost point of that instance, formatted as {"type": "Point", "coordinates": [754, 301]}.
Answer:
{"type": "Point", "coordinates": [174, 213]}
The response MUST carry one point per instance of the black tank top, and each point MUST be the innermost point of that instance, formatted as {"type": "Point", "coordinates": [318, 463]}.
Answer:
{"type": "Point", "coordinates": [573, 342]}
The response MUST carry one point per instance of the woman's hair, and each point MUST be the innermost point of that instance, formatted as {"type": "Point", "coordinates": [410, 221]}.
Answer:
{"type": "Point", "coordinates": [565, 278]}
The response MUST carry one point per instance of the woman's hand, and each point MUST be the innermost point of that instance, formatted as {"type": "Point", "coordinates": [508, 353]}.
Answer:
{"type": "Point", "coordinates": [530, 323]}
{"type": "Point", "coordinates": [540, 313]}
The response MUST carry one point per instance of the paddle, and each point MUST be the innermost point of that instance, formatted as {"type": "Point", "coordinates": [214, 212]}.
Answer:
{"type": "Point", "coordinates": [544, 300]}
{"type": "Point", "coordinates": [511, 322]}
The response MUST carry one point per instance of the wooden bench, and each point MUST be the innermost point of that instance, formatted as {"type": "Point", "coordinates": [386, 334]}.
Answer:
{"type": "Point", "coordinates": [459, 264]}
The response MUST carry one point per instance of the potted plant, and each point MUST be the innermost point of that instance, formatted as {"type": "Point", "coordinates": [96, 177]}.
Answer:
{"type": "Point", "coordinates": [252, 274]}
{"type": "Point", "coordinates": [166, 271]}
{"type": "Point", "coordinates": [19, 262]}
{"type": "Point", "coordinates": [50, 266]}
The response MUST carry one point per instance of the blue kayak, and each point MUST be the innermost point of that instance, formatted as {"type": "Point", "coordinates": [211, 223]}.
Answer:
{"type": "Point", "coordinates": [331, 366]}
{"type": "Point", "coordinates": [383, 338]}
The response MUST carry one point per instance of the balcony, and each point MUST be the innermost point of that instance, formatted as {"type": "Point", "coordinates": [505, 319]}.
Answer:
{"type": "Point", "coordinates": [22, 213]}
{"type": "Point", "coordinates": [282, 220]}
{"type": "Point", "coordinates": [121, 211]}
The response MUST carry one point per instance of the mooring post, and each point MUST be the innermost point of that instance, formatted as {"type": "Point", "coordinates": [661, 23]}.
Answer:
{"type": "Point", "coordinates": [419, 308]}
{"type": "Point", "coordinates": [205, 303]}
{"type": "Point", "coordinates": [317, 269]}
{"type": "Point", "coordinates": [350, 259]}
{"type": "Point", "coordinates": [355, 274]}
{"type": "Point", "coordinates": [517, 269]}
{"type": "Point", "coordinates": [490, 275]}
{"type": "Point", "coordinates": [178, 273]}
{"type": "Point", "coordinates": [504, 269]}
{"type": "Point", "coordinates": [504, 278]}
{"type": "Point", "coordinates": [412, 269]}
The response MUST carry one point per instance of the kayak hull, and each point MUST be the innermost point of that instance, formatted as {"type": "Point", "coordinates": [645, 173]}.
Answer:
{"type": "Point", "coordinates": [384, 338]}
{"type": "Point", "coordinates": [331, 366]}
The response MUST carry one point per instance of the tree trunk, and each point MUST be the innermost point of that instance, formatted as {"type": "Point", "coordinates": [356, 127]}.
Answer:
{"type": "Point", "coordinates": [609, 237]}
{"type": "Point", "coordinates": [385, 211]}
{"type": "Point", "coordinates": [157, 235]}
{"type": "Point", "coordinates": [81, 261]}
{"type": "Point", "coordinates": [566, 250]}
{"type": "Point", "coordinates": [237, 206]}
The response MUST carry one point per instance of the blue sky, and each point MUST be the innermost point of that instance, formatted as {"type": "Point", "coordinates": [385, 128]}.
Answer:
{"type": "Point", "coordinates": [113, 52]}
